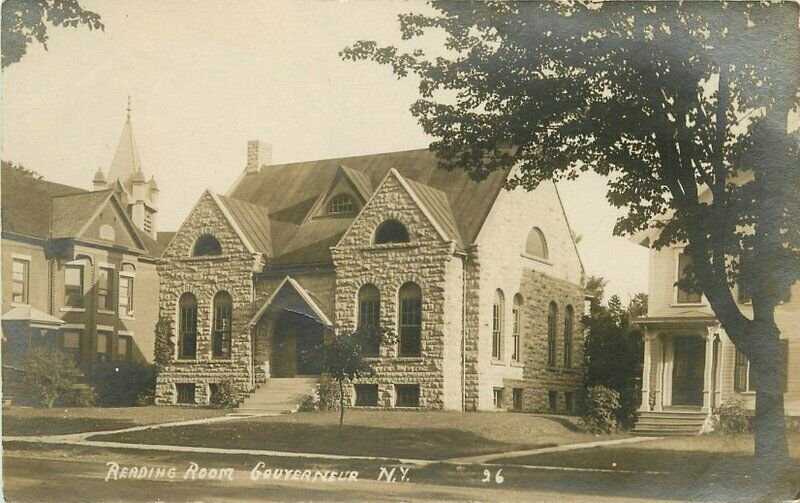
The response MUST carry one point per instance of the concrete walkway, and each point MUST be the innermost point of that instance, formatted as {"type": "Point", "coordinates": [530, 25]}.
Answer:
{"type": "Point", "coordinates": [486, 458]}
{"type": "Point", "coordinates": [83, 439]}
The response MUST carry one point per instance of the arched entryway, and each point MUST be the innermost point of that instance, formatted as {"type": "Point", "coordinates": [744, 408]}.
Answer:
{"type": "Point", "coordinates": [295, 339]}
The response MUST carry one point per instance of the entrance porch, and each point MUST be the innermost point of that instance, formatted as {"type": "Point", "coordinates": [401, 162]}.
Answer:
{"type": "Point", "coordinates": [682, 370]}
{"type": "Point", "coordinates": [285, 332]}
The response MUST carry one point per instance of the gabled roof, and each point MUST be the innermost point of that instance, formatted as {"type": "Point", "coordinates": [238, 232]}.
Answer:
{"type": "Point", "coordinates": [26, 202]}
{"type": "Point", "coordinates": [252, 221]}
{"type": "Point", "coordinates": [360, 183]}
{"type": "Point", "coordinates": [72, 214]}
{"type": "Point", "coordinates": [435, 201]}
{"type": "Point", "coordinates": [291, 296]}
{"type": "Point", "coordinates": [290, 191]}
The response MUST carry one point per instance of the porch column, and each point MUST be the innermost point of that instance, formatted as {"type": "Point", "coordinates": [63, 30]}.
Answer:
{"type": "Point", "coordinates": [720, 366]}
{"type": "Point", "coordinates": [645, 406]}
{"type": "Point", "coordinates": [708, 376]}
{"type": "Point", "coordinates": [659, 385]}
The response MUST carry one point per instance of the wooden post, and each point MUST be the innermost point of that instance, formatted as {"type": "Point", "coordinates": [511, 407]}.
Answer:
{"type": "Point", "coordinates": [645, 406]}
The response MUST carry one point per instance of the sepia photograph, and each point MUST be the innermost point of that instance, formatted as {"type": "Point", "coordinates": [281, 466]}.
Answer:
{"type": "Point", "coordinates": [400, 250]}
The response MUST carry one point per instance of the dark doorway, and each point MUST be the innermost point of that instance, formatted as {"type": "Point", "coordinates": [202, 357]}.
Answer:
{"type": "Point", "coordinates": [687, 371]}
{"type": "Point", "coordinates": [295, 338]}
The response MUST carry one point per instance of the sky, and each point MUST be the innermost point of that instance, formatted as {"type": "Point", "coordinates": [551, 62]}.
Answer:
{"type": "Point", "coordinates": [207, 76]}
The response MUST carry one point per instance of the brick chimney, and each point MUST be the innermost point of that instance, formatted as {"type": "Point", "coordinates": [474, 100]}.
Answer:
{"type": "Point", "coordinates": [259, 153]}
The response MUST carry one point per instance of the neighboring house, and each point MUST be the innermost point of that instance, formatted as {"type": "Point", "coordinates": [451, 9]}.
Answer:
{"type": "Point", "coordinates": [482, 285]}
{"type": "Point", "coordinates": [690, 365]}
{"type": "Point", "coordinates": [79, 267]}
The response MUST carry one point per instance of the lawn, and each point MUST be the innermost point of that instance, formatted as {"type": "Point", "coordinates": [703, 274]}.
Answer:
{"type": "Point", "coordinates": [58, 421]}
{"type": "Point", "coordinates": [705, 454]}
{"type": "Point", "coordinates": [419, 435]}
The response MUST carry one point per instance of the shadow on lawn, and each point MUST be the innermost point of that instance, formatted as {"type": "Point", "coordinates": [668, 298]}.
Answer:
{"type": "Point", "coordinates": [416, 443]}
{"type": "Point", "coordinates": [27, 426]}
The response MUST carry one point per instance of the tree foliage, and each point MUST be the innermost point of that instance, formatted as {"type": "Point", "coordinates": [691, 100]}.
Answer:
{"type": "Point", "coordinates": [344, 357]}
{"type": "Point", "coordinates": [682, 105]}
{"type": "Point", "coordinates": [27, 21]}
{"type": "Point", "coordinates": [49, 376]}
{"type": "Point", "coordinates": [164, 350]}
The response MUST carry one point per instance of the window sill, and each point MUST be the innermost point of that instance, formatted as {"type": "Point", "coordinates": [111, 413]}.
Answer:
{"type": "Point", "coordinates": [499, 363]}
{"type": "Point", "coordinates": [408, 359]}
{"type": "Point", "coordinates": [126, 317]}
{"type": "Point", "coordinates": [407, 407]}
{"type": "Point", "coordinates": [537, 259]}
{"type": "Point", "coordinates": [105, 311]}
{"type": "Point", "coordinates": [688, 304]}
{"type": "Point", "coordinates": [72, 309]}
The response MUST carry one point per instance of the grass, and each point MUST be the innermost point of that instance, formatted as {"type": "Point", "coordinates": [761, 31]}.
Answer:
{"type": "Point", "coordinates": [420, 435]}
{"type": "Point", "coordinates": [24, 421]}
{"type": "Point", "coordinates": [705, 454]}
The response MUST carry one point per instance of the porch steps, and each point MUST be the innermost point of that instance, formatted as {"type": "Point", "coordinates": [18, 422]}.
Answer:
{"type": "Point", "coordinates": [278, 396]}
{"type": "Point", "coordinates": [670, 423]}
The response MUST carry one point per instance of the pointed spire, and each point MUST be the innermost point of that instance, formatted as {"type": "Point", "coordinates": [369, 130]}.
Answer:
{"type": "Point", "coordinates": [126, 158]}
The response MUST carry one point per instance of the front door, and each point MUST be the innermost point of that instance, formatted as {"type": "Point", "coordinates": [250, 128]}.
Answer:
{"type": "Point", "coordinates": [687, 370]}
{"type": "Point", "coordinates": [294, 339]}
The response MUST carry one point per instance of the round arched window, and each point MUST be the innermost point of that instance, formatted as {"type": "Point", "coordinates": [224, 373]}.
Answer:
{"type": "Point", "coordinates": [342, 204]}
{"type": "Point", "coordinates": [536, 245]}
{"type": "Point", "coordinates": [391, 231]}
{"type": "Point", "coordinates": [206, 245]}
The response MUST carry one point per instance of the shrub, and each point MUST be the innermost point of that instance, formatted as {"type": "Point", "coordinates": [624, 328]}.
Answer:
{"type": "Point", "coordinates": [164, 347]}
{"type": "Point", "coordinates": [325, 396]}
{"type": "Point", "coordinates": [81, 395]}
{"type": "Point", "coordinates": [120, 384]}
{"type": "Point", "coordinates": [600, 409]}
{"type": "Point", "coordinates": [49, 377]}
{"type": "Point", "coordinates": [732, 417]}
{"type": "Point", "coordinates": [224, 395]}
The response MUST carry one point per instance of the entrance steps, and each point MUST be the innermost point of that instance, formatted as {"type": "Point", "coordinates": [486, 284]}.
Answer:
{"type": "Point", "coordinates": [670, 422]}
{"type": "Point", "coordinates": [278, 396]}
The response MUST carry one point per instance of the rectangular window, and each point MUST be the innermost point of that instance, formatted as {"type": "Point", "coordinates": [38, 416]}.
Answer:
{"type": "Point", "coordinates": [124, 348]}
{"type": "Point", "coordinates": [515, 339]}
{"type": "Point", "coordinates": [105, 282]}
{"type": "Point", "coordinates": [186, 392]}
{"type": "Point", "coordinates": [366, 395]}
{"type": "Point", "coordinates": [103, 347]}
{"type": "Point", "coordinates": [686, 295]}
{"type": "Point", "coordinates": [73, 286]}
{"type": "Point", "coordinates": [20, 280]}
{"type": "Point", "coordinates": [569, 400]}
{"type": "Point", "coordinates": [496, 331]}
{"type": "Point", "coordinates": [125, 295]}
{"type": "Point", "coordinates": [70, 344]}
{"type": "Point", "coordinates": [497, 398]}
{"type": "Point", "coordinates": [552, 399]}
{"type": "Point", "coordinates": [222, 331]}
{"type": "Point", "coordinates": [741, 370]}
{"type": "Point", "coordinates": [407, 395]}
{"type": "Point", "coordinates": [410, 327]}
{"type": "Point", "coordinates": [188, 340]}
{"type": "Point", "coordinates": [516, 395]}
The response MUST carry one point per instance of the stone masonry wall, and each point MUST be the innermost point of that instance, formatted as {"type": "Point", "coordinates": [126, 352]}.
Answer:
{"type": "Point", "coordinates": [423, 261]}
{"type": "Point", "coordinates": [204, 277]}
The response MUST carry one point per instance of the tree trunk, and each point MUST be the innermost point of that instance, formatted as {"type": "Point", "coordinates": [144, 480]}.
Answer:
{"type": "Point", "coordinates": [772, 461]}
{"type": "Point", "coordinates": [341, 409]}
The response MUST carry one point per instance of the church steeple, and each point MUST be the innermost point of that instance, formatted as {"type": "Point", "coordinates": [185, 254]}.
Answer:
{"type": "Point", "coordinates": [127, 178]}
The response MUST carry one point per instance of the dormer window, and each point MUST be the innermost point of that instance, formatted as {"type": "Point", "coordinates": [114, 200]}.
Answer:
{"type": "Point", "coordinates": [206, 246]}
{"type": "Point", "coordinates": [536, 244]}
{"type": "Point", "coordinates": [391, 231]}
{"type": "Point", "coordinates": [341, 204]}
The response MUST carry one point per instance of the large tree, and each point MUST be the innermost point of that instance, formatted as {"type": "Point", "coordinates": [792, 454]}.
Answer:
{"type": "Point", "coordinates": [26, 21]}
{"type": "Point", "coordinates": [683, 106]}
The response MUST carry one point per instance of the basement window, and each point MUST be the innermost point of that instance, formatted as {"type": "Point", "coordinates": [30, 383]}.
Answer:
{"type": "Point", "coordinates": [407, 395]}
{"type": "Point", "coordinates": [366, 395]}
{"type": "Point", "coordinates": [186, 392]}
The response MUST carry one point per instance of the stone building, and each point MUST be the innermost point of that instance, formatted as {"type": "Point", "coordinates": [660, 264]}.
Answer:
{"type": "Point", "coordinates": [482, 285]}
{"type": "Point", "coordinates": [79, 267]}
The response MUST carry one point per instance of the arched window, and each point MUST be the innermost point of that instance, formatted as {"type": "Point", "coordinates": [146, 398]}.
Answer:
{"type": "Point", "coordinates": [187, 342]}
{"type": "Point", "coordinates": [369, 314]}
{"type": "Point", "coordinates": [497, 324]}
{"type": "Point", "coordinates": [342, 204]}
{"type": "Point", "coordinates": [536, 244]}
{"type": "Point", "coordinates": [552, 313]}
{"type": "Point", "coordinates": [569, 328]}
{"type": "Point", "coordinates": [223, 318]}
{"type": "Point", "coordinates": [391, 231]}
{"type": "Point", "coordinates": [410, 318]}
{"type": "Point", "coordinates": [516, 310]}
{"type": "Point", "coordinates": [206, 245]}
